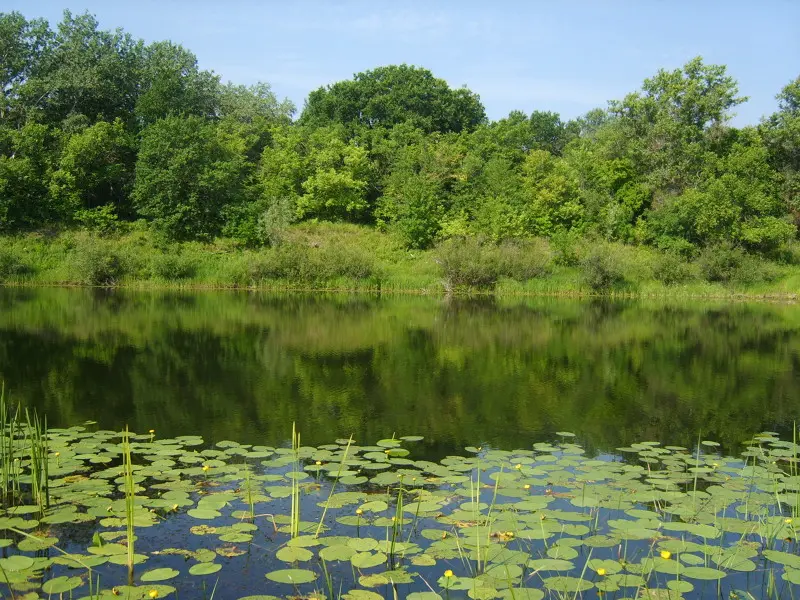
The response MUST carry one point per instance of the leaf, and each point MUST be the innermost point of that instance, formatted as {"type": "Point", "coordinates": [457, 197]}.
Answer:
{"type": "Point", "coordinates": [159, 574]}
{"type": "Point", "coordinates": [292, 576]}
{"type": "Point", "coordinates": [206, 568]}
{"type": "Point", "coordinates": [60, 585]}
{"type": "Point", "coordinates": [294, 554]}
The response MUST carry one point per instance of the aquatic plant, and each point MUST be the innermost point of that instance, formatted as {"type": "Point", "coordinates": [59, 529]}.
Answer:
{"type": "Point", "coordinates": [543, 522]}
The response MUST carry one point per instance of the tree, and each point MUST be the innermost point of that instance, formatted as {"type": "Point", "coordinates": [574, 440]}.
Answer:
{"type": "Point", "coordinates": [172, 84]}
{"type": "Point", "coordinates": [250, 103]}
{"type": "Point", "coordinates": [187, 172]}
{"type": "Point", "coordinates": [84, 71]}
{"type": "Point", "coordinates": [675, 120]}
{"type": "Point", "coordinates": [96, 169]}
{"type": "Point", "coordinates": [25, 171]}
{"type": "Point", "coordinates": [22, 44]}
{"type": "Point", "coordinates": [781, 135]}
{"type": "Point", "coordinates": [391, 95]}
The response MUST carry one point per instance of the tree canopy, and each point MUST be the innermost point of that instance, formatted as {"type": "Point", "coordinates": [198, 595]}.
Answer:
{"type": "Point", "coordinates": [98, 126]}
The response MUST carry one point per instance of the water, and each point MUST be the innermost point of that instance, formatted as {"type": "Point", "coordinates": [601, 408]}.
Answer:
{"type": "Point", "coordinates": [244, 366]}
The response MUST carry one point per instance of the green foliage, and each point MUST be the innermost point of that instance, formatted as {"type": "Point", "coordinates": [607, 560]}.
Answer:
{"type": "Point", "coordinates": [100, 129]}
{"type": "Point", "coordinates": [173, 266]}
{"type": "Point", "coordinates": [672, 269]}
{"type": "Point", "coordinates": [476, 263]}
{"type": "Point", "coordinates": [467, 262]}
{"type": "Point", "coordinates": [96, 168]}
{"type": "Point", "coordinates": [11, 265]}
{"type": "Point", "coordinates": [600, 269]}
{"type": "Point", "coordinates": [313, 264]}
{"type": "Point", "coordinates": [274, 221]}
{"type": "Point", "coordinates": [730, 264]}
{"type": "Point", "coordinates": [391, 95]}
{"type": "Point", "coordinates": [188, 170]}
{"type": "Point", "coordinates": [97, 263]}
{"type": "Point", "coordinates": [102, 219]}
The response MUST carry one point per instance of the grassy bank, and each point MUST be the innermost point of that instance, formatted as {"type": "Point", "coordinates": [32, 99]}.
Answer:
{"type": "Point", "coordinates": [326, 256]}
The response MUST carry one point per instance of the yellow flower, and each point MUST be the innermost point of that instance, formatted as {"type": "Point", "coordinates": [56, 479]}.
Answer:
{"type": "Point", "coordinates": [206, 468]}
{"type": "Point", "coordinates": [666, 554]}
{"type": "Point", "coordinates": [448, 573]}
{"type": "Point", "coordinates": [319, 462]}
{"type": "Point", "coordinates": [152, 431]}
{"type": "Point", "coordinates": [57, 454]}
{"type": "Point", "coordinates": [174, 507]}
{"type": "Point", "coordinates": [153, 594]}
{"type": "Point", "coordinates": [359, 512]}
{"type": "Point", "coordinates": [788, 521]}
{"type": "Point", "coordinates": [518, 466]}
{"type": "Point", "coordinates": [601, 571]}
{"type": "Point", "coordinates": [527, 486]}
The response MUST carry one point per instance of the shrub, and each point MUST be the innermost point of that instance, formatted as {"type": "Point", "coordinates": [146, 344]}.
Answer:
{"type": "Point", "coordinates": [727, 263]}
{"type": "Point", "coordinates": [11, 265]}
{"type": "Point", "coordinates": [466, 262]}
{"type": "Point", "coordinates": [313, 263]}
{"type": "Point", "coordinates": [671, 269]}
{"type": "Point", "coordinates": [173, 266]}
{"type": "Point", "coordinates": [524, 259]}
{"type": "Point", "coordinates": [600, 270]}
{"type": "Point", "coordinates": [94, 263]}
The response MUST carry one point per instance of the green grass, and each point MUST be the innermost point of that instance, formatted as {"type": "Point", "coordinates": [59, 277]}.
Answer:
{"type": "Point", "coordinates": [346, 257]}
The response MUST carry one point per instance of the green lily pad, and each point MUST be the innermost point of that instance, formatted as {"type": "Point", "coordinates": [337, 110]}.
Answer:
{"type": "Point", "coordinates": [205, 568]}
{"type": "Point", "coordinates": [160, 574]}
{"type": "Point", "coordinates": [292, 576]}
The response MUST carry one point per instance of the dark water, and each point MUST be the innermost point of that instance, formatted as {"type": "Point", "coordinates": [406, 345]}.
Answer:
{"type": "Point", "coordinates": [245, 366]}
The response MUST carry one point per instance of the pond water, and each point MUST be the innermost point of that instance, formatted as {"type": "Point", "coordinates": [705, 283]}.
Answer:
{"type": "Point", "coordinates": [245, 366]}
{"type": "Point", "coordinates": [526, 449]}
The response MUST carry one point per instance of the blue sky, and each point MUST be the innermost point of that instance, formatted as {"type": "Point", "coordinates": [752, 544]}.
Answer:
{"type": "Point", "coordinates": [567, 56]}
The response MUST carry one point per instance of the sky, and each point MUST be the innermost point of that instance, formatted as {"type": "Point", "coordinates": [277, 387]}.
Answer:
{"type": "Point", "coordinates": [562, 56]}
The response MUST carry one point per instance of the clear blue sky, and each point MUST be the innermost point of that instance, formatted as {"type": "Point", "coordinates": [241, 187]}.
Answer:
{"type": "Point", "coordinates": [567, 56]}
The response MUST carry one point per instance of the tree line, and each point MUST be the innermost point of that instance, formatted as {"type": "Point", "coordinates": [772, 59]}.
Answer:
{"type": "Point", "coordinates": [99, 129]}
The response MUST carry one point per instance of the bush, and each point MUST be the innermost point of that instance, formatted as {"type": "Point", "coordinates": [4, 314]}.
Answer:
{"type": "Point", "coordinates": [726, 263]}
{"type": "Point", "coordinates": [524, 259]}
{"type": "Point", "coordinates": [97, 264]}
{"type": "Point", "coordinates": [600, 270]}
{"type": "Point", "coordinates": [313, 263]}
{"type": "Point", "coordinates": [466, 262]}
{"type": "Point", "coordinates": [11, 265]}
{"type": "Point", "coordinates": [672, 269]}
{"type": "Point", "coordinates": [172, 267]}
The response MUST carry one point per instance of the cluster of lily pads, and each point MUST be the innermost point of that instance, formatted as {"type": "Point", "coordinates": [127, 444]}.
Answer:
{"type": "Point", "coordinates": [363, 522]}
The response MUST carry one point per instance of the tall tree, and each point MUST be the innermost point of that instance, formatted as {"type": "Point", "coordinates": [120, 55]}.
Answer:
{"type": "Point", "coordinates": [387, 96]}
{"type": "Point", "coordinates": [172, 84]}
{"type": "Point", "coordinates": [22, 44]}
{"type": "Point", "coordinates": [85, 71]}
{"type": "Point", "coordinates": [188, 171]}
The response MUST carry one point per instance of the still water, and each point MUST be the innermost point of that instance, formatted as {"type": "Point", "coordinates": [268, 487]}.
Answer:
{"type": "Point", "coordinates": [245, 366]}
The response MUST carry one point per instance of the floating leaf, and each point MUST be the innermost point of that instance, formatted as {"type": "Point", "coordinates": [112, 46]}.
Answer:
{"type": "Point", "coordinates": [292, 576]}
{"type": "Point", "coordinates": [206, 568]}
{"type": "Point", "coordinates": [160, 574]}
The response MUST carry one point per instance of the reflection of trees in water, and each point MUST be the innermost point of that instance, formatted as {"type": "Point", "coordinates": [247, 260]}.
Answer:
{"type": "Point", "coordinates": [245, 366]}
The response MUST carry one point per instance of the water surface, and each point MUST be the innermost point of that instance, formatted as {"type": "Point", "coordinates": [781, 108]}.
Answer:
{"type": "Point", "coordinates": [244, 366]}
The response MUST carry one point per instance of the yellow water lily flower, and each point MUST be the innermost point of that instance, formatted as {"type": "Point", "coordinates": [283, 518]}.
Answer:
{"type": "Point", "coordinates": [359, 512]}
{"type": "Point", "coordinates": [601, 571]}
{"type": "Point", "coordinates": [788, 521]}
{"type": "Point", "coordinates": [153, 594]}
{"type": "Point", "coordinates": [666, 554]}
{"type": "Point", "coordinates": [206, 468]}
{"type": "Point", "coordinates": [448, 573]}
{"type": "Point", "coordinates": [527, 486]}
{"type": "Point", "coordinates": [518, 466]}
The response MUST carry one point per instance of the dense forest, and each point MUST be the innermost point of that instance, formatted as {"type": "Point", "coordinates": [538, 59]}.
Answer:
{"type": "Point", "coordinates": [101, 131]}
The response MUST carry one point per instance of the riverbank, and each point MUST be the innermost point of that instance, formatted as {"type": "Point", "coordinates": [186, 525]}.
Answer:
{"type": "Point", "coordinates": [344, 257]}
